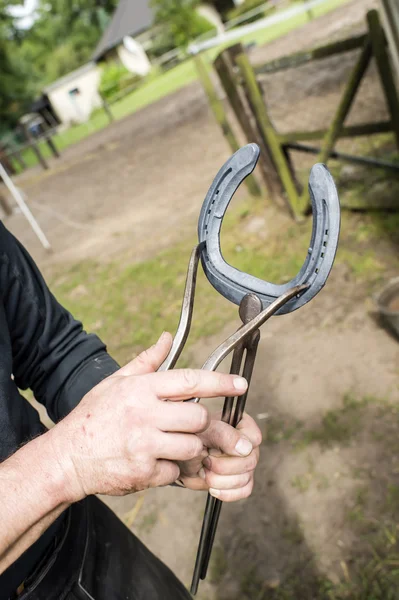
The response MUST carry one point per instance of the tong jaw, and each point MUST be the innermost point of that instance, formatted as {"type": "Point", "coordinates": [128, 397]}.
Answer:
{"type": "Point", "coordinates": [234, 284]}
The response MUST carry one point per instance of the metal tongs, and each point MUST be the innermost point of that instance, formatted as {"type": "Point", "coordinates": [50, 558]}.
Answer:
{"type": "Point", "coordinates": [258, 300]}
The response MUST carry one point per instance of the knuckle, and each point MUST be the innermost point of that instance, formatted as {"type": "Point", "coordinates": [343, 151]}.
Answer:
{"type": "Point", "coordinates": [144, 469]}
{"type": "Point", "coordinates": [195, 448]}
{"type": "Point", "coordinates": [175, 471]}
{"type": "Point", "coordinates": [229, 496]}
{"type": "Point", "coordinates": [231, 437]}
{"type": "Point", "coordinates": [224, 381]}
{"type": "Point", "coordinates": [257, 437]}
{"type": "Point", "coordinates": [252, 461]}
{"type": "Point", "coordinates": [211, 479]}
{"type": "Point", "coordinates": [143, 357]}
{"type": "Point", "coordinates": [218, 467]}
{"type": "Point", "coordinates": [247, 491]}
{"type": "Point", "coordinates": [242, 481]}
{"type": "Point", "coordinates": [169, 473]}
{"type": "Point", "coordinates": [190, 380]}
{"type": "Point", "coordinates": [247, 479]}
{"type": "Point", "coordinates": [226, 436]}
{"type": "Point", "coordinates": [202, 420]}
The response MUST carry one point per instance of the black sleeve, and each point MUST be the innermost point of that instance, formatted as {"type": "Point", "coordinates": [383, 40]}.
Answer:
{"type": "Point", "coordinates": [52, 354]}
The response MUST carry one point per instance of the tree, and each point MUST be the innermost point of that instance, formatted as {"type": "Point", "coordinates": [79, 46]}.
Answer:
{"type": "Point", "coordinates": [181, 19]}
{"type": "Point", "coordinates": [61, 39]}
{"type": "Point", "coordinates": [14, 93]}
{"type": "Point", "coordinates": [65, 34]}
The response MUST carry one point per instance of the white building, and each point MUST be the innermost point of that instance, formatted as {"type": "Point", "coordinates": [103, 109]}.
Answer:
{"type": "Point", "coordinates": [75, 96]}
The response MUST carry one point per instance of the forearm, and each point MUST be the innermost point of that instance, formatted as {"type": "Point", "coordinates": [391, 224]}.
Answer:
{"type": "Point", "coordinates": [33, 493]}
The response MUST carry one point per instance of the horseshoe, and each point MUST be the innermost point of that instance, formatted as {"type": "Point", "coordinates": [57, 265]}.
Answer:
{"type": "Point", "coordinates": [234, 284]}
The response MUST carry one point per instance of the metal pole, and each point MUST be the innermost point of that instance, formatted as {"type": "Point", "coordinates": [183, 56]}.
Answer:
{"type": "Point", "coordinates": [24, 208]}
{"type": "Point", "coordinates": [360, 160]}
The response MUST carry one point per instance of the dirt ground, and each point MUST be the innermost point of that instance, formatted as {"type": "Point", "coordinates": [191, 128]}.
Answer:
{"type": "Point", "coordinates": [326, 381]}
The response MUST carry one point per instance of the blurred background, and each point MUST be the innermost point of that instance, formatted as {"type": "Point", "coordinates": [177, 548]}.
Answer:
{"type": "Point", "coordinates": [115, 116]}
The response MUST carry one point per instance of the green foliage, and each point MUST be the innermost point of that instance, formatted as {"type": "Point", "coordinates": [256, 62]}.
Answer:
{"type": "Point", "coordinates": [14, 93]}
{"type": "Point", "coordinates": [114, 78]}
{"type": "Point", "coordinates": [246, 7]}
{"type": "Point", "coordinates": [61, 39]}
{"type": "Point", "coordinates": [64, 36]}
{"type": "Point", "coordinates": [180, 20]}
{"type": "Point", "coordinates": [162, 44]}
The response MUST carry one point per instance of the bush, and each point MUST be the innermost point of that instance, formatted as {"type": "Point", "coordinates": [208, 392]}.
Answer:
{"type": "Point", "coordinates": [161, 44]}
{"type": "Point", "coordinates": [181, 21]}
{"type": "Point", "coordinates": [184, 33]}
{"type": "Point", "coordinates": [202, 26]}
{"type": "Point", "coordinates": [247, 6]}
{"type": "Point", "coordinates": [115, 78]}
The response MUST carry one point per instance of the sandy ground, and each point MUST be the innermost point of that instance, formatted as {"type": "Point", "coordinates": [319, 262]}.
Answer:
{"type": "Point", "coordinates": [136, 188]}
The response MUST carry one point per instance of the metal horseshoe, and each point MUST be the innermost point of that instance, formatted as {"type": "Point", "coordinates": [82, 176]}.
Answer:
{"type": "Point", "coordinates": [234, 284]}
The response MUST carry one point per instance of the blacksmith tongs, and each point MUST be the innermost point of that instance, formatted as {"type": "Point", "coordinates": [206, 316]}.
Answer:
{"type": "Point", "coordinates": [258, 300]}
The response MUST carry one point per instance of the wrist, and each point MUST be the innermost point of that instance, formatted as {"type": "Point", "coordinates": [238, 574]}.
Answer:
{"type": "Point", "coordinates": [33, 474]}
{"type": "Point", "coordinates": [65, 479]}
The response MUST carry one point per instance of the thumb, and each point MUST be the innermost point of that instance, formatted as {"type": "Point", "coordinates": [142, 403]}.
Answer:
{"type": "Point", "coordinates": [150, 360]}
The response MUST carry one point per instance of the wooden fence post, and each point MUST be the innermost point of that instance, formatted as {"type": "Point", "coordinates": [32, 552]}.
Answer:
{"type": "Point", "coordinates": [52, 146]}
{"type": "Point", "coordinates": [107, 108]}
{"type": "Point", "coordinates": [35, 147]}
{"type": "Point", "coordinates": [221, 117]}
{"type": "Point", "coordinates": [379, 44]}
{"type": "Point", "coordinates": [17, 155]}
{"type": "Point", "coordinates": [224, 68]}
{"type": "Point", "coordinates": [345, 105]}
{"type": "Point", "coordinates": [270, 136]}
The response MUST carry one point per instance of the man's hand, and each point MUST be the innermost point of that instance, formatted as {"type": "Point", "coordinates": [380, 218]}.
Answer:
{"type": "Point", "coordinates": [124, 437]}
{"type": "Point", "coordinates": [227, 469]}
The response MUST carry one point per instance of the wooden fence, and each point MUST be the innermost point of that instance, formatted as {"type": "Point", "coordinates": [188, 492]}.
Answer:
{"type": "Point", "coordinates": [240, 81]}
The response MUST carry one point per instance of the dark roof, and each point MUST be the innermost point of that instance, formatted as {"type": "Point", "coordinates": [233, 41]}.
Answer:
{"type": "Point", "coordinates": [130, 18]}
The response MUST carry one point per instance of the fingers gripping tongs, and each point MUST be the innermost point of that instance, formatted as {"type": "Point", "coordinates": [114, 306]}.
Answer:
{"type": "Point", "coordinates": [258, 300]}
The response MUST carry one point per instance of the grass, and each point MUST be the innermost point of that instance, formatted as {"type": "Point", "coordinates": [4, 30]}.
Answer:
{"type": "Point", "coordinates": [264, 36]}
{"type": "Point", "coordinates": [129, 305]}
{"type": "Point", "coordinates": [218, 565]}
{"type": "Point", "coordinates": [164, 84]}
{"type": "Point", "coordinates": [337, 427]}
{"type": "Point", "coordinates": [147, 522]}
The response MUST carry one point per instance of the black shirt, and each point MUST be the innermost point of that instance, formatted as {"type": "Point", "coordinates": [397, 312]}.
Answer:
{"type": "Point", "coordinates": [42, 348]}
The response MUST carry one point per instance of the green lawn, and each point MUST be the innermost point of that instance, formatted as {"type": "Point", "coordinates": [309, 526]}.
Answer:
{"type": "Point", "coordinates": [171, 81]}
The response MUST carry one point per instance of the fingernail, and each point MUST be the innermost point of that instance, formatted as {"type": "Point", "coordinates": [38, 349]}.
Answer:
{"type": "Point", "coordinates": [244, 447]}
{"type": "Point", "coordinates": [214, 493]}
{"type": "Point", "coordinates": [207, 462]}
{"type": "Point", "coordinates": [162, 337]}
{"type": "Point", "coordinates": [240, 383]}
{"type": "Point", "coordinates": [201, 473]}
